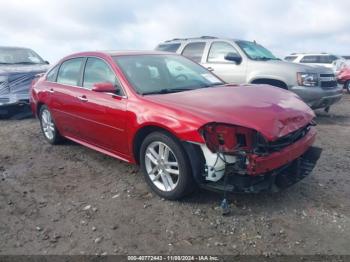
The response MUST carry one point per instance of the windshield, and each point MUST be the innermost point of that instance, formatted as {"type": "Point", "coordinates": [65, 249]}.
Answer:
{"type": "Point", "coordinates": [160, 74]}
{"type": "Point", "coordinates": [255, 51]}
{"type": "Point", "coordinates": [19, 56]}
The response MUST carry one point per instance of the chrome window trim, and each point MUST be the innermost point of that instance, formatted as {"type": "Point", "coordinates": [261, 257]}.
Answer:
{"type": "Point", "coordinates": [84, 62]}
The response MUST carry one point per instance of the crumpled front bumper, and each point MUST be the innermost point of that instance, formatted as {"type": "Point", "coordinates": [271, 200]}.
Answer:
{"type": "Point", "coordinates": [317, 97]}
{"type": "Point", "coordinates": [14, 99]}
{"type": "Point", "coordinates": [272, 181]}
{"type": "Point", "coordinates": [9, 104]}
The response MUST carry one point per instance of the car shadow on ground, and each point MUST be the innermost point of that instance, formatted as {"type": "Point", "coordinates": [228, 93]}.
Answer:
{"type": "Point", "coordinates": [307, 193]}
{"type": "Point", "coordinates": [202, 196]}
{"type": "Point", "coordinates": [16, 113]}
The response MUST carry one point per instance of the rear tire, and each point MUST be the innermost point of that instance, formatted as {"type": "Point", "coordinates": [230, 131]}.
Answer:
{"type": "Point", "coordinates": [48, 126]}
{"type": "Point", "coordinates": [166, 167]}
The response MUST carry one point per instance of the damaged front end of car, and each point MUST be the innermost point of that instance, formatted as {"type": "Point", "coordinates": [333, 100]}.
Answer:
{"type": "Point", "coordinates": [14, 94]}
{"type": "Point", "coordinates": [242, 160]}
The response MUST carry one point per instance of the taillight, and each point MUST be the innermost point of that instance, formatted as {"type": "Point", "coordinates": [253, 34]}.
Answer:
{"type": "Point", "coordinates": [227, 138]}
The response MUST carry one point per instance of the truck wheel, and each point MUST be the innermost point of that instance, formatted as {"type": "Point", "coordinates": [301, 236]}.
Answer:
{"type": "Point", "coordinates": [165, 166]}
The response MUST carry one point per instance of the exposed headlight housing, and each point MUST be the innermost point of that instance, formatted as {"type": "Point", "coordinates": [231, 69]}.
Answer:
{"type": "Point", "coordinates": [226, 138]}
{"type": "Point", "coordinates": [307, 79]}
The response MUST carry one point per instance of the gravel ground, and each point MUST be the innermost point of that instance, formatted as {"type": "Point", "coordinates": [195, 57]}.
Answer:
{"type": "Point", "coordinates": [68, 199]}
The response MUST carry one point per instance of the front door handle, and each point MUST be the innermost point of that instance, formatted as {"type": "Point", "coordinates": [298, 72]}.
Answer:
{"type": "Point", "coordinates": [82, 98]}
{"type": "Point", "coordinates": [210, 69]}
{"type": "Point", "coordinates": [51, 91]}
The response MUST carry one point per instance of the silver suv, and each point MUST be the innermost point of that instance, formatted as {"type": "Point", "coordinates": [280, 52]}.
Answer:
{"type": "Point", "coordinates": [333, 62]}
{"type": "Point", "coordinates": [240, 61]}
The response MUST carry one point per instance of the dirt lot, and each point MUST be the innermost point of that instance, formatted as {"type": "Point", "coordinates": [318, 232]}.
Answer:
{"type": "Point", "coordinates": [68, 199]}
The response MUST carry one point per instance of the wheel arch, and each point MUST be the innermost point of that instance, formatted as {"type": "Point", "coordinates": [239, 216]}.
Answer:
{"type": "Point", "coordinates": [38, 107]}
{"type": "Point", "coordinates": [142, 133]}
{"type": "Point", "coordinates": [270, 81]}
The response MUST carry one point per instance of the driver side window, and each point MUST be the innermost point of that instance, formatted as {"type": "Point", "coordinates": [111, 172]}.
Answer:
{"type": "Point", "coordinates": [97, 71]}
{"type": "Point", "coordinates": [219, 50]}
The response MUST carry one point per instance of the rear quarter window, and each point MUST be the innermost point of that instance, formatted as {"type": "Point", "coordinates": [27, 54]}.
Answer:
{"type": "Point", "coordinates": [168, 47]}
{"type": "Point", "coordinates": [290, 58]}
{"type": "Point", "coordinates": [310, 59]}
{"type": "Point", "coordinates": [52, 74]}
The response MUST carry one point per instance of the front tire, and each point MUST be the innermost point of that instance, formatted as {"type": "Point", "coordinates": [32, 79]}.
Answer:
{"type": "Point", "coordinates": [165, 166]}
{"type": "Point", "coordinates": [48, 126]}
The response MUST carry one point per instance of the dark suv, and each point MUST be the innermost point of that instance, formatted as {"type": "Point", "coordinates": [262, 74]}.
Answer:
{"type": "Point", "coordinates": [18, 67]}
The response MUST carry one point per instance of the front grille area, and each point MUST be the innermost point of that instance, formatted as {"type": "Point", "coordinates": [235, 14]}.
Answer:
{"type": "Point", "coordinates": [326, 75]}
{"type": "Point", "coordinates": [329, 84]}
{"type": "Point", "coordinates": [328, 81]}
{"type": "Point", "coordinates": [264, 147]}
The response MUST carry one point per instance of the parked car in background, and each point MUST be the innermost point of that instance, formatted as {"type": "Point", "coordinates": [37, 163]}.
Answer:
{"type": "Point", "coordinates": [181, 123]}
{"type": "Point", "coordinates": [240, 61]}
{"type": "Point", "coordinates": [347, 57]}
{"type": "Point", "coordinates": [18, 67]}
{"type": "Point", "coordinates": [344, 78]}
{"type": "Point", "coordinates": [318, 59]}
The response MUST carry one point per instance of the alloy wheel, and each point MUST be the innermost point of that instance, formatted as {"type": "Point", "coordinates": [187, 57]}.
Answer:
{"type": "Point", "coordinates": [162, 166]}
{"type": "Point", "coordinates": [47, 124]}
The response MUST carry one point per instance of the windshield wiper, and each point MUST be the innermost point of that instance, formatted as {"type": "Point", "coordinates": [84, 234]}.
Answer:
{"type": "Point", "coordinates": [25, 63]}
{"type": "Point", "coordinates": [264, 58]}
{"type": "Point", "coordinates": [175, 90]}
{"type": "Point", "coordinates": [167, 91]}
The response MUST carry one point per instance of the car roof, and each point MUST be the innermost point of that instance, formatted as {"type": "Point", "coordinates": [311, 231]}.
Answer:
{"type": "Point", "coordinates": [134, 52]}
{"type": "Point", "coordinates": [119, 53]}
{"type": "Point", "coordinates": [201, 38]}
{"type": "Point", "coordinates": [13, 47]}
{"type": "Point", "coordinates": [320, 54]}
{"type": "Point", "coordinates": [109, 53]}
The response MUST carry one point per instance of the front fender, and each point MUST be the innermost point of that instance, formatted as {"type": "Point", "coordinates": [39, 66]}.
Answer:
{"type": "Point", "coordinates": [150, 115]}
{"type": "Point", "coordinates": [252, 78]}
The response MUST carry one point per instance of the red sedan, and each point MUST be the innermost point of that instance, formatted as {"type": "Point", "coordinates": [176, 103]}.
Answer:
{"type": "Point", "coordinates": [182, 124]}
{"type": "Point", "coordinates": [344, 78]}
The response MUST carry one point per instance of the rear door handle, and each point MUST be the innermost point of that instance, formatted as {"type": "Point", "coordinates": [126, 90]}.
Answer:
{"type": "Point", "coordinates": [210, 69]}
{"type": "Point", "coordinates": [82, 98]}
{"type": "Point", "coordinates": [51, 91]}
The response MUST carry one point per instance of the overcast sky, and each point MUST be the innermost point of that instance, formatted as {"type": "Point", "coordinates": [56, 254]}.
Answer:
{"type": "Point", "coordinates": [55, 28]}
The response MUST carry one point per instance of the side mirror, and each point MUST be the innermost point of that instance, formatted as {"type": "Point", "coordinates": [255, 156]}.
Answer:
{"type": "Point", "coordinates": [104, 87]}
{"type": "Point", "coordinates": [47, 62]}
{"type": "Point", "coordinates": [233, 57]}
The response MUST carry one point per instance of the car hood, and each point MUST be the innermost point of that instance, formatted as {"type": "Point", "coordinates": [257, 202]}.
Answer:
{"type": "Point", "coordinates": [298, 67]}
{"type": "Point", "coordinates": [15, 69]}
{"type": "Point", "coordinates": [16, 79]}
{"type": "Point", "coordinates": [271, 111]}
